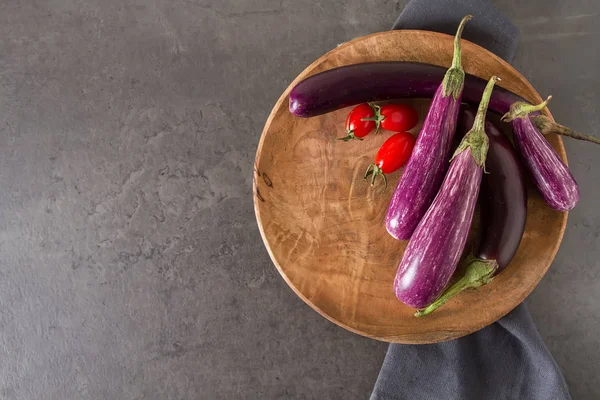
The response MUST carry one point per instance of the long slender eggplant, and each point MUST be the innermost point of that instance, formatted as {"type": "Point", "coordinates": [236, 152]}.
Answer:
{"type": "Point", "coordinates": [386, 80]}
{"type": "Point", "coordinates": [428, 163]}
{"type": "Point", "coordinates": [435, 248]}
{"type": "Point", "coordinates": [360, 83]}
{"type": "Point", "coordinates": [551, 176]}
{"type": "Point", "coordinates": [503, 204]}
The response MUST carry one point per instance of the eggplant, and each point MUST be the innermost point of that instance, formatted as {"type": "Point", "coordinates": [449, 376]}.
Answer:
{"type": "Point", "coordinates": [367, 82]}
{"type": "Point", "coordinates": [424, 172]}
{"type": "Point", "coordinates": [502, 198]}
{"type": "Point", "coordinates": [503, 205]}
{"type": "Point", "coordinates": [436, 246]}
{"type": "Point", "coordinates": [387, 80]}
{"type": "Point", "coordinates": [549, 173]}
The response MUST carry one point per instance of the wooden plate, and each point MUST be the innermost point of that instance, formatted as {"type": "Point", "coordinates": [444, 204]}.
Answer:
{"type": "Point", "coordinates": [324, 226]}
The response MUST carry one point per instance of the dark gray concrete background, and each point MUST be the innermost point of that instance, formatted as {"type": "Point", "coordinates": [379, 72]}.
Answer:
{"type": "Point", "coordinates": [131, 266]}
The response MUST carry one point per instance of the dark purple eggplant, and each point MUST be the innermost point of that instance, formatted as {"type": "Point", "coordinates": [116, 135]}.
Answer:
{"type": "Point", "coordinates": [387, 80]}
{"type": "Point", "coordinates": [503, 203]}
{"type": "Point", "coordinates": [424, 172]}
{"type": "Point", "coordinates": [502, 198]}
{"type": "Point", "coordinates": [436, 246]}
{"type": "Point", "coordinates": [359, 83]}
{"type": "Point", "coordinates": [549, 173]}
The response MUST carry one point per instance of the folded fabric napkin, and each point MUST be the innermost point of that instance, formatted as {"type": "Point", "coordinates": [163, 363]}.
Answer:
{"type": "Point", "coordinates": [488, 28]}
{"type": "Point", "coordinates": [508, 359]}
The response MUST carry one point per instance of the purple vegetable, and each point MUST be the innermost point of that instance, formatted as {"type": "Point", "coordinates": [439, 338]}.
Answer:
{"type": "Point", "coordinates": [376, 81]}
{"type": "Point", "coordinates": [435, 248]}
{"type": "Point", "coordinates": [367, 82]}
{"type": "Point", "coordinates": [502, 197]}
{"type": "Point", "coordinates": [503, 201]}
{"type": "Point", "coordinates": [428, 163]}
{"type": "Point", "coordinates": [551, 176]}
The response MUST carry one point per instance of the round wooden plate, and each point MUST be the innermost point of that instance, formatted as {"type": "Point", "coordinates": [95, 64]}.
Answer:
{"type": "Point", "coordinates": [324, 226]}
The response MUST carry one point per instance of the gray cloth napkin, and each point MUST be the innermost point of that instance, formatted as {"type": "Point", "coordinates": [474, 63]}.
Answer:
{"type": "Point", "coordinates": [488, 28]}
{"type": "Point", "coordinates": [508, 359]}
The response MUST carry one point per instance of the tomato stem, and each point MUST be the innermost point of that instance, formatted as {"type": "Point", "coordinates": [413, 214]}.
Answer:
{"type": "Point", "coordinates": [349, 137]}
{"type": "Point", "coordinates": [377, 117]}
{"type": "Point", "coordinates": [374, 171]}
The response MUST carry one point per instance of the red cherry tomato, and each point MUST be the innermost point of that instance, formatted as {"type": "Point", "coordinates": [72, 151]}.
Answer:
{"type": "Point", "coordinates": [356, 128]}
{"type": "Point", "coordinates": [392, 155]}
{"type": "Point", "coordinates": [398, 117]}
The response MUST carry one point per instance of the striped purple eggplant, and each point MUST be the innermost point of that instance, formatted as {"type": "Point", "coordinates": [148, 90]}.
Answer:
{"type": "Point", "coordinates": [549, 173]}
{"type": "Point", "coordinates": [428, 163]}
{"type": "Point", "coordinates": [503, 204]}
{"type": "Point", "coordinates": [437, 244]}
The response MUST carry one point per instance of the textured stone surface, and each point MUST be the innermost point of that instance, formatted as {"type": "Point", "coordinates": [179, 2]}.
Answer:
{"type": "Point", "coordinates": [130, 262]}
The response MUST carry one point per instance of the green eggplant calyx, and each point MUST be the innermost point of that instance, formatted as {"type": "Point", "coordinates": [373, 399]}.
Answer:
{"type": "Point", "coordinates": [520, 109]}
{"type": "Point", "coordinates": [454, 82]}
{"type": "Point", "coordinates": [476, 139]}
{"type": "Point", "coordinates": [454, 79]}
{"type": "Point", "coordinates": [479, 272]}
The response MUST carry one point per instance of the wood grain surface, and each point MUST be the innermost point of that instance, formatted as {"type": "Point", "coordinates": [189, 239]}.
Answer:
{"type": "Point", "coordinates": [323, 225]}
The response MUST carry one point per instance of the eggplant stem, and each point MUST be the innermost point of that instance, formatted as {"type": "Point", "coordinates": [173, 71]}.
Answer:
{"type": "Point", "coordinates": [479, 123]}
{"type": "Point", "coordinates": [479, 272]}
{"type": "Point", "coordinates": [457, 56]}
{"type": "Point", "coordinates": [546, 126]}
{"type": "Point", "coordinates": [455, 76]}
{"type": "Point", "coordinates": [520, 109]}
{"type": "Point", "coordinates": [476, 139]}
